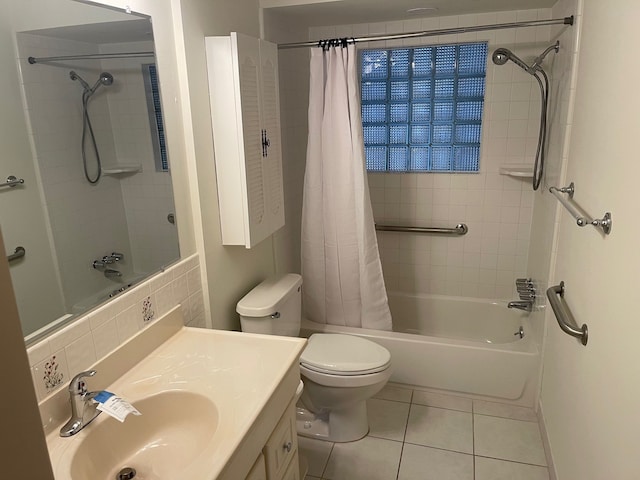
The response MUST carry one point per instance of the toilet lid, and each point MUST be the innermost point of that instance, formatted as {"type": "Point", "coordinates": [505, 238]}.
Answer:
{"type": "Point", "coordinates": [340, 354]}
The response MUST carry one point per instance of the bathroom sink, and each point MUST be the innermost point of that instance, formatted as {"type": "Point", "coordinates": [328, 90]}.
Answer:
{"type": "Point", "coordinates": [208, 399]}
{"type": "Point", "coordinates": [159, 444]}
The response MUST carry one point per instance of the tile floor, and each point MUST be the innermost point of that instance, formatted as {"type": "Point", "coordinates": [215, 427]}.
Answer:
{"type": "Point", "coordinates": [416, 435]}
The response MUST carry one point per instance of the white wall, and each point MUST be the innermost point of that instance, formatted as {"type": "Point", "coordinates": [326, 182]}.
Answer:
{"type": "Point", "coordinates": [231, 270]}
{"type": "Point", "coordinates": [293, 67]}
{"type": "Point", "coordinates": [590, 394]}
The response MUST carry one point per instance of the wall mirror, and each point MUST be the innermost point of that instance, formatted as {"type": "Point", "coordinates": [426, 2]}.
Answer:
{"type": "Point", "coordinates": [95, 213]}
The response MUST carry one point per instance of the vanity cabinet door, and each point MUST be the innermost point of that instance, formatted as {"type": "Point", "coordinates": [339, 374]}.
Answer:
{"type": "Point", "coordinates": [293, 471]}
{"type": "Point", "coordinates": [282, 446]}
{"type": "Point", "coordinates": [258, 471]}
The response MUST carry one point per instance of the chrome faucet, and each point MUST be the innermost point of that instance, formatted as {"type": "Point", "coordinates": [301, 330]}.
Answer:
{"type": "Point", "coordinates": [83, 409]}
{"type": "Point", "coordinates": [526, 305]}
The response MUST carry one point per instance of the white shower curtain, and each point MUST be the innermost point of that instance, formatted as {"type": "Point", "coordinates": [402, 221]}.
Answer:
{"type": "Point", "coordinates": [342, 274]}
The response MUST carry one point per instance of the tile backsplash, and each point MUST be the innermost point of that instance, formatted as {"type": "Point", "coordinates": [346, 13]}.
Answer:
{"type": "Point", "coordinates": [74, 348]}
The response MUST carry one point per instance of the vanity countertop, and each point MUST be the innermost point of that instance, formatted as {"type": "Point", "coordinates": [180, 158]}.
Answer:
{"type": "Point", "coordinates": [239, 373]}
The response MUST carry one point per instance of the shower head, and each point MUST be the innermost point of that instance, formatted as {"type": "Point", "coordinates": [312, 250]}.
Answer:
{"type": "Point", "coordinates": [502, 55]}
{"type": "Point", "coordinates": [105, 79]}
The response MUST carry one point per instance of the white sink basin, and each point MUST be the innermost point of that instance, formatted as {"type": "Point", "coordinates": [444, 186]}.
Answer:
{"type": "Point", "coordinates": [170, 434]}
{"type": "Point", "coordinates": [202, 393]}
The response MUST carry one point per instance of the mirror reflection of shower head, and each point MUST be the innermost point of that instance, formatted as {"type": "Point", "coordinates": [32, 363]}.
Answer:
{"type": "Point", "coordinates": [105, 79]}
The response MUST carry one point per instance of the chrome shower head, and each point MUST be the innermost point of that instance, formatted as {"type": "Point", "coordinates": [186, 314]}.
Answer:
{"type": "Point", "coordinates": [502, 55]}
{"type": "Point", "coordinates": [105, 79]}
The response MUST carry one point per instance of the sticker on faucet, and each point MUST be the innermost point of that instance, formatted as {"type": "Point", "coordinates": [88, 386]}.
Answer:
{"type": "Point", "coordinates": [114, 406]}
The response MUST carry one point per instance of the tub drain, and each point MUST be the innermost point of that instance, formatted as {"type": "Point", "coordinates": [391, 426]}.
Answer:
{"type": "Point", "coordinates": [126, 473]}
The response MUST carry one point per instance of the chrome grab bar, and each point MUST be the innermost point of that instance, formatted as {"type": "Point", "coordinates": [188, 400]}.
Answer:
{"type": "Point", "coordinates": [563, 315]}
{"type": "Point", "coordinates": [12, 181]}
{"type": "Point", "coordinates": [582, 219]}
{"type": "Point", "coordinates": [459, 229]}
{"type": "Point", "coordinates": [19, 252]}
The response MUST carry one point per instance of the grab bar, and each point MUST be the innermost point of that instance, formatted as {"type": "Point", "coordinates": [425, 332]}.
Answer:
{"type": "Point", "coordinates": [19, 252]}
{"type": "Point", "coordinates": [582, 219]}
{"type": "Point", "coordinates": [460, 229]}
{"type": "Point", "coordinates": [12, 181]}
{"type": "Point", "coordinates": [563, 315]}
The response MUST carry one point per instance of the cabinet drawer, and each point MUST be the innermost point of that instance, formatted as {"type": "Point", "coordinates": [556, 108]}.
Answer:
{"type": "Point", "coordinates": [282, 445]}
{"type": "Point", "coordinates": [258, 471]}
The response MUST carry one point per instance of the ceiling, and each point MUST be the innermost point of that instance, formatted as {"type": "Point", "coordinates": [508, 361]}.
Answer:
{"type": "Point", "coordinates": [342, 12]}
{"type": "Point", "coordinates": [137, 30]}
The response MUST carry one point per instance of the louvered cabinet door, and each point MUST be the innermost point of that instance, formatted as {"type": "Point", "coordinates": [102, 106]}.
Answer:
{"type": "Point", "coordinates": [257, 221]}
{"type": "Point", "coordinates": [272, 160]}
{"type": "Point", "coordinates": [245, 114]}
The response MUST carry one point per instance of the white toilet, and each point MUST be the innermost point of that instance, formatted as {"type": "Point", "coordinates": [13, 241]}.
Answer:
{"type": "Point", "coordinates": [340, 372]}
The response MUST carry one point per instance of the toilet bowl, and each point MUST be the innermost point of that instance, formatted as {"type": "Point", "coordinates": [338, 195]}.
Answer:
{"type": "Point", "coordinates": [340, 372]}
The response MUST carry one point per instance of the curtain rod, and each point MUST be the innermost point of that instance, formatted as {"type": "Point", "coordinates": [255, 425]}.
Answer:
{"type": "Point", "coordinates": [445, 31]}
{"type": "Point", "coordinates": [91, 56]}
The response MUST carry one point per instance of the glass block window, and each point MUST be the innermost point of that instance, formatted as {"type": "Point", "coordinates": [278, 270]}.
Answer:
{"type": "Point", "coordinates": [156, 122]}
{"type": "Point", "coordinates": [422, 107]}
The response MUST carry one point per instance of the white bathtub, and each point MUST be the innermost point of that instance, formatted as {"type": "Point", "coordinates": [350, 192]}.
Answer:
{"type": "Point", "coordinates": [453, 344]}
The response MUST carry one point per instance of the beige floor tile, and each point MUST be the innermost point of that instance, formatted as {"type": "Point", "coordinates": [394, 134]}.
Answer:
{"type": "Point", "coordinates": [508, 439]}
{"type": "Point", "coordinates": [505, 411]}
{"type": "Point", "coordinates": [492, 469]}
{"type": "Point", "coordinates": [442, 401]}
{"type": "Point", "coordinates": [397, 394]}
{"type": "Point", "coordinates": [317, 453]}
{"type": "Point", "coordinates": [387, 419]}
{"type": "Point", "coordinates": [440, 428]}
{"type": "Point", "coordinates": [426, 463]}
{"type": "Point", "coordinates": [367, 459]}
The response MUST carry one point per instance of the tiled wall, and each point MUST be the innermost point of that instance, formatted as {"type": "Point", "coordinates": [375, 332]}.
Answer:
{"type": "Point", "coordinates": [546, 207]}
{"type": "Point", "coordinates": [73, 349]}
{"type": "Point", "coordinates": [87, 221]}
{"type": "Point", "coordinates": [496, 208]}
{"type": "Point", "coordinates": [147, 195]}
{"type": "Point", "coordinates": [126, 213]}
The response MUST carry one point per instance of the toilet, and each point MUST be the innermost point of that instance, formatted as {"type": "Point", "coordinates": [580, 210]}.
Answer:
{"type": "Point", "coordinates": [340, 372]}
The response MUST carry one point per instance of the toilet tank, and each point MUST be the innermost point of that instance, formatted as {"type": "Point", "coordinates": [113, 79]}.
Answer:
{"type": "Point", "coordinates": [273, 307]}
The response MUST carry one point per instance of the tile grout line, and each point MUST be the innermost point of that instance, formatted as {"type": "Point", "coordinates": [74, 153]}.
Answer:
{"type": "Point", "coordinates": [404, 436]}
{"type": "Point", "coordinates": [326, 464]}
{"type": "Point", "coordinates": [513, 461]}
{"type": "Point", "coordinates": [473, 438]}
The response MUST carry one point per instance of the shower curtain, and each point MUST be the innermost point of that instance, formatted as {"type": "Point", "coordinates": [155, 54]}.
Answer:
{"type": "Point", "coordinates": [343, 283]}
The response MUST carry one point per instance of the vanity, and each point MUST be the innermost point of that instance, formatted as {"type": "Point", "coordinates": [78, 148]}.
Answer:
{"type": "Point", "coordinates": [215, 405]}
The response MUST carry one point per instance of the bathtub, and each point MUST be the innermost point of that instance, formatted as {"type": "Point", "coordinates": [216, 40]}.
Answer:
{"type": "Point", "coordinates": [456, 345]}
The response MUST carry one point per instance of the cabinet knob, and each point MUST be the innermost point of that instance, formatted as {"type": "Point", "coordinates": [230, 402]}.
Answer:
{"type": "Point", "coordinates": [287, 446]}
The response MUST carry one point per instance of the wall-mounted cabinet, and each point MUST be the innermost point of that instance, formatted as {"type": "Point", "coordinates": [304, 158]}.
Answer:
{"type": "Point", "coordinates": [245, 111]}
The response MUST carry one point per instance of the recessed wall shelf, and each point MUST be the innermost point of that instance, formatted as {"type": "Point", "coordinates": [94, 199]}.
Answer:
{"type": "Point", "coordinates": [517, 170]}
{"type": "Point", "coordinates": [121, 169]}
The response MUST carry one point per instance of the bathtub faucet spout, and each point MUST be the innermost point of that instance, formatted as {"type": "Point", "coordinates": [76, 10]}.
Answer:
{"type": "Point", "coordinates": [526, 305]}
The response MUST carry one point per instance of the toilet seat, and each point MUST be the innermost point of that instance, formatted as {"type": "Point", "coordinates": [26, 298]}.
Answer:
{"type": "Point", "coordinates": [344, 355]}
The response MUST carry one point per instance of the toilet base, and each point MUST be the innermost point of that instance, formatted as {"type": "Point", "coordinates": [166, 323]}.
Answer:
{"type": "Point", "coordinates": [345, 425]}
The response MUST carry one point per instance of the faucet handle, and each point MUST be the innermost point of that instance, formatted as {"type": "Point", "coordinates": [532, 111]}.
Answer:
{"type": "Point", "coordinates": [77, 385]}
{"type": "Point", "coordinates": [117, 256]}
